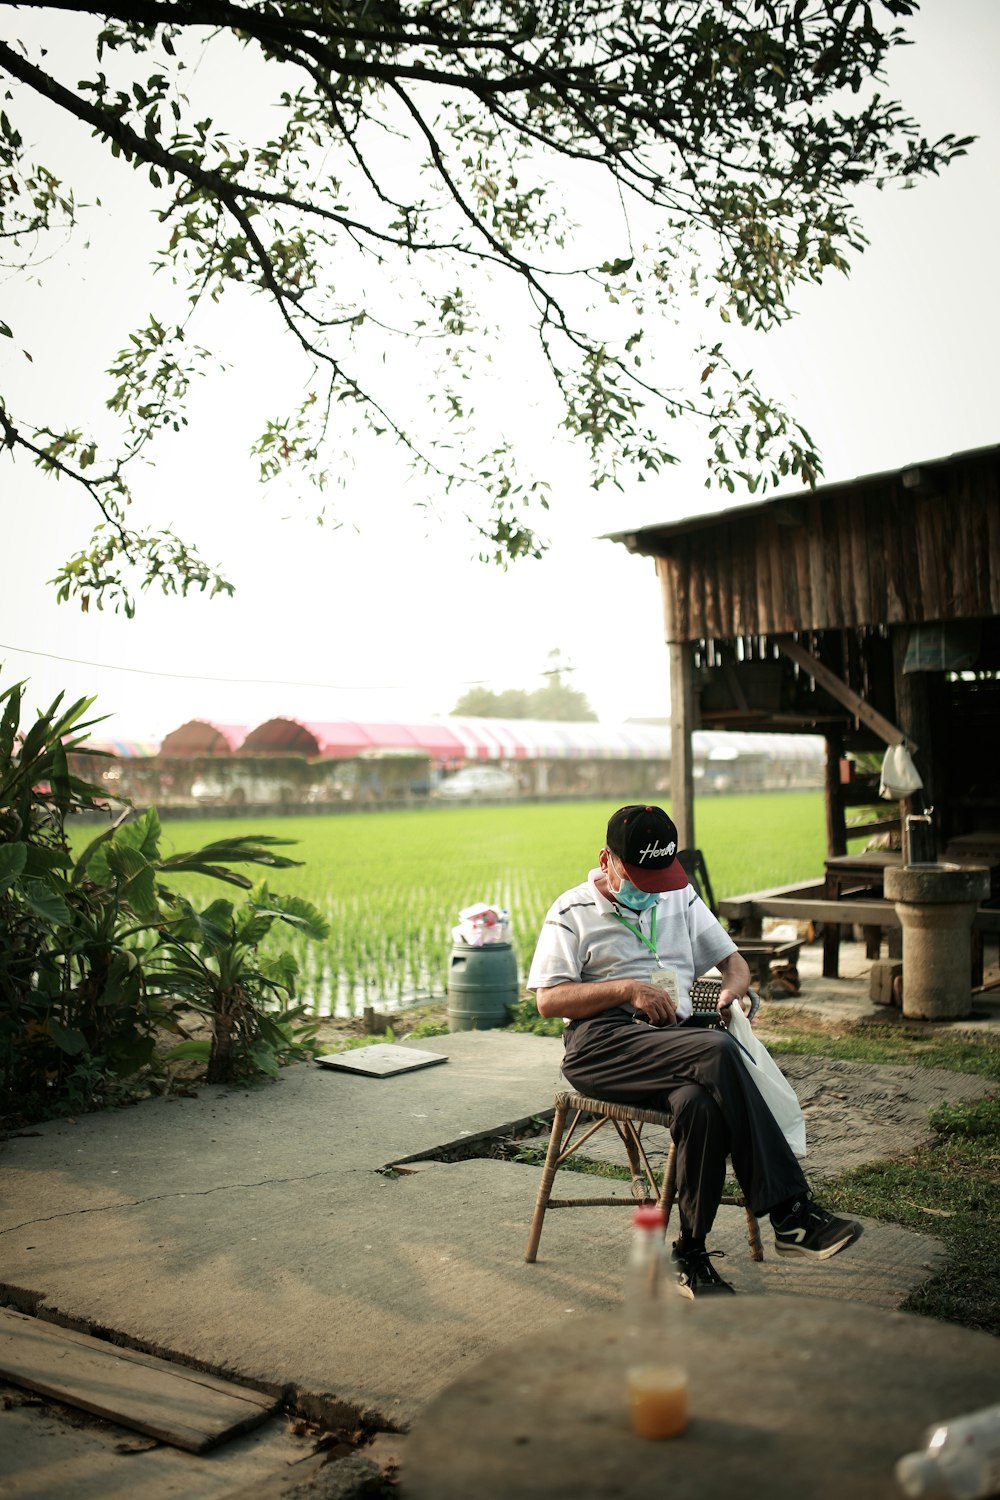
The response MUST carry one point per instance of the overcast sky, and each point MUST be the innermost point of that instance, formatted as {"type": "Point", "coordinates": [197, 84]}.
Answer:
{"type": "Point", "coordinates": [894, 365]}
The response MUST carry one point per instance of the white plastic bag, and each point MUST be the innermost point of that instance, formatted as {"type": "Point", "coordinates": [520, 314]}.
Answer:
{"type": "Point", "coordinates": [900, 777]}
{"type": "Point", "coordinates": [480, 925]}
{"type": "Point", "coordinates": [776, 1091]}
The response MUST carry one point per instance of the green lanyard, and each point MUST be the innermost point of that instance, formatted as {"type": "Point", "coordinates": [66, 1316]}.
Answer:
{"type": "Point", "coordinates": [650, 942]}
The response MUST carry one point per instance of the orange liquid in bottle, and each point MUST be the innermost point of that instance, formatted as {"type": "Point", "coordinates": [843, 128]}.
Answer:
{"type": "Point", "coordinates": [657, 1400]}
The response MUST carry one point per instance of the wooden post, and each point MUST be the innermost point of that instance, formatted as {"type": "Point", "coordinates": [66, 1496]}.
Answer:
{"type": "Point", "coordinates": [836, 824]}
{"type": "Point", "coordinates": [913, 713]}
{"type": "Point", "coordinates": [682, 725]}
{"type": "Point", "coordinates": [836, 844]}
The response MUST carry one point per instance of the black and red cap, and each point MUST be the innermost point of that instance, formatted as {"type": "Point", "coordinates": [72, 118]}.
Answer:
{"type": "Point", "coordinates": [645, 840]}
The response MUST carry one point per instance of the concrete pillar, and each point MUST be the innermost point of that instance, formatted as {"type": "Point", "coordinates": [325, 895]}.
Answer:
{"type": "Point", "coordinates": [936, 905]}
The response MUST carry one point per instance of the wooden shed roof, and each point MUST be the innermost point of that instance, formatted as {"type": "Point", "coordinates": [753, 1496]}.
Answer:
{"type": "Point", "coordinates": [909, 545]}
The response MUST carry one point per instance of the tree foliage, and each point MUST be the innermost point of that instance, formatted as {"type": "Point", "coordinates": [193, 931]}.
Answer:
{"type": "Point", "coordinates": [384, 174]}
{"type": "Point", "coordinates": [557, 701]}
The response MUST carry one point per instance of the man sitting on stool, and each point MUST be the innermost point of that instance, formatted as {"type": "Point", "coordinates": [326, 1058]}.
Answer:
{"type": "Point", "coordinates": [626, 947]}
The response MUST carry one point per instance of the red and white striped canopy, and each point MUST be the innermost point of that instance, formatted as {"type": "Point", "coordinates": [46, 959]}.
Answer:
{"type": "Point", "coordinates": [454, 741]}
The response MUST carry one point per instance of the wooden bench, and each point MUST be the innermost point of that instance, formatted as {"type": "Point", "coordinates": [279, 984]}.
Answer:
{"type": "Point", "coordinates": [744, 913]}
{"type": "Point", "coordinates": [806, 903]}
{"type": "Point", "coordinates": [759, 952]}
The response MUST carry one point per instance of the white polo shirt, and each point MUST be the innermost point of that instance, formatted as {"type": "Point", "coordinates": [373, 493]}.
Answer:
{"type": "Point", "coordinates": [584, 939]}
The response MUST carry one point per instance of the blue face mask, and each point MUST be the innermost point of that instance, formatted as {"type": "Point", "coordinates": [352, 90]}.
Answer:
{"type": "Point", "coordinates": [629, 895]}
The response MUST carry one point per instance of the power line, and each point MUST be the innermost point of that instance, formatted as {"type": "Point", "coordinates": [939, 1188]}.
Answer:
{"type": "Point", "coordinates": [337, 687]}
{"type": "Point", "coordinates": [103, 666]}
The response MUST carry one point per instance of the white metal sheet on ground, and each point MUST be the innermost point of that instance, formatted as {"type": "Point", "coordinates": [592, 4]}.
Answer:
{"type": "Point", "coordinates": [381, 1061]}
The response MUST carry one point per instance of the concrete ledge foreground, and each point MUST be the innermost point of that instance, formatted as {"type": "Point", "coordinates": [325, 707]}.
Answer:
{"type": "Point", "coordinates": [254, 1232]}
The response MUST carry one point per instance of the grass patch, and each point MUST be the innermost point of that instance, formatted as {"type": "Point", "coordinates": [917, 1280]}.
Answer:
{"type": "Point", "coordinates": [534, 1156]}
{"type": "Point", "coordinates": [797, 1034]}
{"type": "Point", "coordinates": [525, 1017]}
{"type": "Point", "coordinates": [949, 1188]}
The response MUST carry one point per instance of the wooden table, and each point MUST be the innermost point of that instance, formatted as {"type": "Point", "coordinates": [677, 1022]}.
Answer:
{"type": "Point", "coordinates": [858, 875]}
{"type": "Point", "coordinates": [790, 1397]}
{"type": "Point", "coordinates": [982, 848]}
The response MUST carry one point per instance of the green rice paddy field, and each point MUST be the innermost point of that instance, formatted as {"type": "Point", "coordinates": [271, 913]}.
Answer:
{"type": "Point", "coordinates": [392, 883]}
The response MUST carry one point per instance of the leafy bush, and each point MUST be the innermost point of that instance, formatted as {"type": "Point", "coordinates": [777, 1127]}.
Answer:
{"type": "Point", "coordinates": [429, 1028]}
{"type": "Point", "coordinates": [981, 1118]}
{"type": "Point", "coordinates": [525, 1017]}
{"type": "Point", "coordinates": [98, 955]}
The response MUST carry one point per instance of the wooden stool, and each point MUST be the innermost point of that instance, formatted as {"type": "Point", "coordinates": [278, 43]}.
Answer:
{"type": "Point", "coordinates": [628, 1120]}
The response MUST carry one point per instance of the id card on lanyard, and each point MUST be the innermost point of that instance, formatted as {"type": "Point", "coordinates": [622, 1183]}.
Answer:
{"type": "Point", "coordinates": [664, 979]}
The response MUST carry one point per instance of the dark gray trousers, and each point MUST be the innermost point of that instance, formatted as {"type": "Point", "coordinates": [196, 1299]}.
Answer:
{"type": "Point", "coordinates": [697, 1077]}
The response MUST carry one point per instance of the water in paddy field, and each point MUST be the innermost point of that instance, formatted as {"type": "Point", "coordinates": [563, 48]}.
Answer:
{"type": "Point", "coordinates": [343, 998]}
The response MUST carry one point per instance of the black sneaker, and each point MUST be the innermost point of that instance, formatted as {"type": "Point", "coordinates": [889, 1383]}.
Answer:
{"type": "Point", "coordinates": [809, 1230]}
{"type": "Point", "coordinates": [696, 1276]}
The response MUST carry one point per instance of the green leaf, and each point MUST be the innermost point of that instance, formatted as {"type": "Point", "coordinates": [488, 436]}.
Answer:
{"type": "Point", "coordinates": [67, 1038]}
{"type": "Point", "coordinates": [282, 970]}
{"type": "Point", "coordinates": [123, 980]}
{"type": "Point", "coordinates": [265, 1059]}
{"type": "Point", "coordinates": [46, 903]}
{"type": "Point", "coordinates": [245, 849]}
{"type": "Point", "coordinates": [142, 834]}
{"type": "Point", "coordinates": [196, 1047]}
{"type": "Point", "coordinates": [42, 862]}
{"type": "Point", "coordinates": [215, 925]}
{"type": "Point", "coordinates": [138, 880]}
{"type": "Point", "coordinates": [293, 910]}
{"type": "Point", "coordinates": [93, 862]}
{"type": "Point", "coordinates": [13, 858]}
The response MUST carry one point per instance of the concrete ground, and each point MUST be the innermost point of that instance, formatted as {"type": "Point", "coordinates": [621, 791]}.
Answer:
{"type": "Point", "coordinates": [255, 1233]}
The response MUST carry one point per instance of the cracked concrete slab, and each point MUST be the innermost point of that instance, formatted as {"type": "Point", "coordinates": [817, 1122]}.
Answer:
{"type": "Point", "coordinates": [49, 1451]}
{"type": "Point", "coordinates": [253, 1232]}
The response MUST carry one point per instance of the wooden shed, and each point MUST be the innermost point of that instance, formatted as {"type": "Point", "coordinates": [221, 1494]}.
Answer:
{"type": "Point", "coordinates": [867, 612]}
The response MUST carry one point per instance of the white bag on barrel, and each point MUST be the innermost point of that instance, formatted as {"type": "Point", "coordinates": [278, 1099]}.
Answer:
{"type": "Point", "coordinates": [776, 1091]}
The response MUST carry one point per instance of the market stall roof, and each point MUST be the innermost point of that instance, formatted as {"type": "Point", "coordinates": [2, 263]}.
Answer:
{"type": "Point", "coordinates": [452, 740]}
{"type": "Point", "coordinates": [199, 737]}
{"type": "Point", "coordinates": [464, 739]}
{"type": "Point", "coordinates": [288, 736]}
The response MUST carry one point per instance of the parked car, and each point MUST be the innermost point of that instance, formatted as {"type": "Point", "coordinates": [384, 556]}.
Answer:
{"type": "Point", "coordinates": [479, 781]}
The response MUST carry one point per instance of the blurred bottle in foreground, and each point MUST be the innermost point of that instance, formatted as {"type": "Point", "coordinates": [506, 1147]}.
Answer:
{"type": "Point", "coordinates": [960, 1462]}
{"type": "Point", "coordinates": [655, 1373]}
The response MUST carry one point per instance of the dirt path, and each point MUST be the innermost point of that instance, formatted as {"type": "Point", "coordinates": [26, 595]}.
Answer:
{"type": "Point", "coordinates": [860, 1112]}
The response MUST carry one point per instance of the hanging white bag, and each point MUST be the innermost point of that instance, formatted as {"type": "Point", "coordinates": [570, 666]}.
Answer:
{"type": "Point", "coordinates": [775, 1090]}
{"type": "Point", "coordinates": [900, 777]}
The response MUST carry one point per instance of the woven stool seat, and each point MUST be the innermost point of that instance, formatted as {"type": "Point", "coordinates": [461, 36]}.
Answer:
{"type": "Point", "coordinates": [577, 1118]}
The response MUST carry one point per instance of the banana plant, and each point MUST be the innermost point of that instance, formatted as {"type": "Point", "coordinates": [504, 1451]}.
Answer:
{"type": "Point", "coordinates": [81, 936]}
{"type": "Point", "coordinates": [37, 794]}
{"type": "Point", "coordinates": [208, 962]}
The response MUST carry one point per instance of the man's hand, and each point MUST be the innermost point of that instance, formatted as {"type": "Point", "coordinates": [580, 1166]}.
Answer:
{"type": "Point", "coordinates": [727, 999]}
{"type": "Point", "coordinates": [655, 1004]}
{"type": "Point", "coordinates": [735, 983]}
